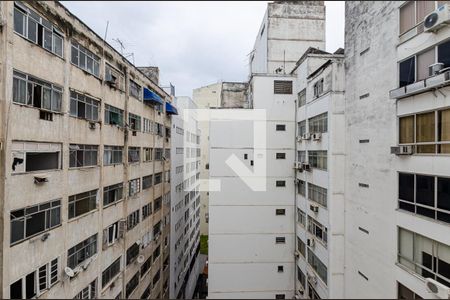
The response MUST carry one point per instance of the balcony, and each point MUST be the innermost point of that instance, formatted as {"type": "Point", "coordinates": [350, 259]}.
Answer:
{"type": "Point", "coordinates": [422, 86]}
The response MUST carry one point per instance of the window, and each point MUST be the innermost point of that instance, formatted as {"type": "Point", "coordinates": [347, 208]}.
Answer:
{"type": "Point", "coordinates": [281, 127]}
{"type": "Point", "coordinates": [146, 211]}
{"type": "Point", "coordinates": [404, 293]}
{"type": "Point", "coordinates": [301, 128]}
{"type": "Point", "coordinates": [280, 296]}
{"type": "Point", "coordinates": [301, 247]}
{"type": "Point", "coordinates": [179, 150]}
{"type": "Point", "coordinates": [280, 212]}
{"type": "Point", "coordinates": [112, 193]}
{"type": "Point", "coordinates": [158, 178]}
{"type": "Point", "coordinates": [157, 204]}
{"type": "Point", "coordinates": [421, 130]}
{"type": "Point", "coordinates": [81, 252]}
{"type": "Point", "coordinates": [132, 284]}
{"type": "Point", "coordinates": [85, 59]}
{"type": "Point", "coordinates": [33, 220]}
{"type": "Point", "coordinates": [159, 129]}
{"type": "Point", "coordinates": [318, 159]}
{"type": "Point", "coordinates": [301, 187]}
{"type": "Point", "coordinates": [114, 78]}
{"type": "Point", "coordinates": [417, 194]}
{"type": "Point", "coordinates": [89, 292]}
{"type": "Point", "coordinates": [301, 277]}
{"type": "Point", "coordinates": [157, 252]}
{"type": "Point", "coordinates": [317, 265]}
{"type": "Point", "coordinates": [32, 156]}
{"type": "Point", "coordinates": [158, 153]}
{"type": "Point", "coordinates": [135, 90]}
{"type": "Point", "coordinates": [135, 122]}
{"type": "Point", "coordinates": [301, 217]}
{"type": "Point", "coordinates": [302, 98]}
{"type": "Point", "coordinates": [39, 30]}
{"type": "Point", "coordinates": [134, 187]}
{"type": "Point", "coordinates": [318, 230]}
{"type": "Point", "coordinates": [82, 203]}
{"type": "Point", "coordinates": [318, 88]}
{"type": "Point", "coordinates": [280, 240]}
{"type": "Point", "coordinates": [148, 126]}
{"type": "Point", "coordinates": [112, 155]}
{"type": "Point", "coordinates": [112, 233]}
{"type": "Point", "coordinates": [83, 155]}
{"type": "Point", "coordinates": [444, 53]}
{"type": "Point", "coordinates": [280, 269]}
{"type": "Point", "coordinates": [134, 154]}
{"type": "Point", "coordinates": [317, 194]}
{"type": "Point", "coordinates": [147, 154]}
{"type": "Point", "coordinates": [147, 181]}
{"type": "Point", "coordinates": [133, 220]}
{"type": "Point", "coordinates": [281, 156]}
{"type": "Point", "coordinates": [113, 115]}
{"type": "Point", "coordinates": [424, 256]}
{"type": "Point", "coordinates": [146, 266]}
{"type": "Point", "coordinates": [413, 13]}
{"type": "Point", "coordinates": [424, 60]}
{"type": "Point", "coordinates": [156, 279]}
{"type": "Point", "coordinates": [282, 87]}
{"type": "Point", "coordinates": [318, 123]}
{"type": "Point", "coordinates": [34, 92]}
{"type": "Point", "coordinates": [132, 253]}
{"type": "Point", "coordinates": [110, 272]}
{"type": "Point", "coordinates": [280, 183]}
{"type": "Point", "coordinates": [84, 107]}
{"type": "Point", "coordinates": [36, 282]}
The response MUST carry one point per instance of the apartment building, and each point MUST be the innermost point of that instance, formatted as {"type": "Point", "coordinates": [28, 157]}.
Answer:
{"type": "Point", "coordinates": [320, 159]}
{"type": "Point", "coordinates": [397, 237]}
{"type": "Point", "coordinates": [221, 94]}
{"type": "Point", "coordinates": [252, 233]}
{"type": "Point", "coordinates": [85, 163]}
{"type": "Point", "coordinates": [185, 197]}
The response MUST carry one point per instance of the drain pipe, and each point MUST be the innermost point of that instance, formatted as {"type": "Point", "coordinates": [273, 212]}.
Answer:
{"type": "Point", "coordinates": [295, 197]}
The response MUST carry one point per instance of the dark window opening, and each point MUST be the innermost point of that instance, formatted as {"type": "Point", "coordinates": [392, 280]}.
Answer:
{"type": "Point", "coordinates": [42, 161]}
{"type": "Point", "coordinates": [281, 183]}
{"type": "Point", "coordinates": [407, 71]}
{"type": "Point", "coordinates": [406, 187]}
{"type": "Point", "coordinates": [425, 190]}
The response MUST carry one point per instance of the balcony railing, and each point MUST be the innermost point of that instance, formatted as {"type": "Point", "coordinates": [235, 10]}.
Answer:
{"type": "Point", "coordinates": [421, 86]}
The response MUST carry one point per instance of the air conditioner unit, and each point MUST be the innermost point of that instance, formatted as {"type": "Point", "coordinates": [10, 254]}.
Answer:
{"type": "Point", "coordinates": [40, 178]}
{"type": "Point", "coordinates": [299, 139]}
{"type": "Point", "coordinates": [305, 166]}
{"type": "Point", "coordinates": [437, 19]}
{"type": "Point", "coordinates": [306, 136]}
{"type": "Point", "coordinates": [402, 150]}
{"type": "Point", "coordinates": [435, 69]}
{"type": "Point", "coordinates": [317, 136]}
{"type": "Point", "coordinates": [91, 125]}
{"type": "Point", "coordinates": [314, 207]}
{"type": "Point", "coordinates": [437, 288]}
{"type": "Point", "coordinates": [312, 279]}
{"type": "Point", "coordinates": [110, 79]}
{"type": "Point", "coordinates": [310, 242]}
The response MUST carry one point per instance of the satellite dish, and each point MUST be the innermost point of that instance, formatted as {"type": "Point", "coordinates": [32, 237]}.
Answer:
{"type": "Point", "coordinates": [141, 259]}
{"type": "Point", "coordinates": [69, 272]}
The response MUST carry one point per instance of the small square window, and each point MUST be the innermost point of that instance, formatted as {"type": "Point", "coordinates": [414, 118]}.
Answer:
{"type": "Point", "coordinates": [281, 127]}
{"type": "Point", "coordinates": [281, 155]}
{"type": "Point", "coordinates": [280, 212]}
{"type": "Point", "coordinates": [280, 269]}
{"type": "Point", "coordinates": [245, 156]}
{"type": "Point", "coordinates": [280, 240]}
{"type": "Point", "coordinates": [281, 183]}
{"type": "Point", "coordinates": [280, 296]}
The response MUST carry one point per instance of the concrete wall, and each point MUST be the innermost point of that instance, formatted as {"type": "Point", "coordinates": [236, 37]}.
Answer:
{"type": "Point", "coordinates": [22, 123]}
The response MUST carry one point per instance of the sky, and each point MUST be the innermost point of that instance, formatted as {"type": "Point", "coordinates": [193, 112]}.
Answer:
{"type": "Point", "coordinates": [193, 43]}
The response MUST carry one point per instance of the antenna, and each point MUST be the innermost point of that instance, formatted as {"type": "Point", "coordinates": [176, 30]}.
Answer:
{"type": "Point", "coordinates": [120, 44]}
{"type": "Point", "coordinates": [106, 31]}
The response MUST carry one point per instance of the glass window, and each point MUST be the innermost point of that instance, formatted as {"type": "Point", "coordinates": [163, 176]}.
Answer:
{"type": "Point", "coordinates": [444, 130]}
{"type": "Point", "coordinates": [110, 272]}
{"type": "Point", "coordinates": [407, 17]}
{"type": "Point", "coordinates": [82, 155]}
{"type": "Point", "coordinates": [84, 107]}
{"type": "Point", "coordinates": [406, 187]}
{"type": "Point", "coordinates": [82, 203]}
{"type": "Point", "coordinates": [444, 54]}
{"type": "Point", "coordinates": [302, 98]}
{"type": "Point", "coordinates": [82, 251]}
{"type": "Point", "coordinates": [424, 60]}
{"type": "Point", "coordinates": [443, 193]}
{"type": "Point", "coordinates": [406, 130]}
{"type": "Point", "coordinates": [425, 190]}
{"type": "Point", "coordinates": [407, 69]}
{"type": "Point", "coordinates": [112, 193]}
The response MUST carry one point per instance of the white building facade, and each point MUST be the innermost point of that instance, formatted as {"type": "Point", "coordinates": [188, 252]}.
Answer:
{"type": "Point", "coordinates": [397, 205]}
{"type": "Point", "coordinates": [185, 199]}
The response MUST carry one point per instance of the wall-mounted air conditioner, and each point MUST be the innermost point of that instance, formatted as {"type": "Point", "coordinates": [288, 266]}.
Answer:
{"type": "Point", "coordinates": [437, 288]}
{"type": "Point", "coordinates": [316, 136]}
{"type": "Point", "coordinates": [310, 243]}
{"type": "Point", "coordinates": [314, 208]}
{"type": "Point", "coordinates": [306, 167]}
{"type": "Point", "coordinates": [402, 150]}
{"type": "Point", "coordinates": [437, 19]}
{"type": "Point", "coordinates": [306, 136]}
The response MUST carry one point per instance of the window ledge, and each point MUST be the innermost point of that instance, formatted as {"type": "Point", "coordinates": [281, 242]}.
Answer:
{"type": "Point", "coordinates": [39, 46]}
{"type": "Point", "coordinates": [77, 218]}
{"type": "Point", "coordinates": [422, 86]}
{"type": "Point", "coordinates": [83, 168]}
{"type": "Point", "coordinates": [35, 172]}
{"type": "Point", "coordinates": [113, 165]}
{"type": "Point", "coordinates": [113, 203]}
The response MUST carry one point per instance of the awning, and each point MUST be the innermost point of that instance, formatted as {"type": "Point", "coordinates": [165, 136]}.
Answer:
{"type": "Point", "coordinates": [170, 109]}
{"type": "Point", "coordinates": [152, 97]}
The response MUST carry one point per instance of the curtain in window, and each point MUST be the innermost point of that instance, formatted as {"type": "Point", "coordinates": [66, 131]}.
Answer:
{"type": "Point", "coordinates": [444, 130]}
{"type": "Point", "coordinates": [425, 132]}
{"type": "Point", "coordinates": [407, 17]}
{"type": "Point", "coordinates": [424, 60]}
{"type": "Point", "coordinates": [423, 9]}
{"type": "Point", "coordinates": [407, 130]}
{"type": "Point", "coordinates": [423, 248]}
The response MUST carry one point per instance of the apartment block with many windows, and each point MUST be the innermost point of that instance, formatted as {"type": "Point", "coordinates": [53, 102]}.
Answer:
{"type": "Point", "coordinates": [185, 197]}
{"type": "Point", "coordinates": [319, 165]}
{"type": "Point", "coordinates": [85, 146]}
{"type": "Point", "coordinates": [397, 136]}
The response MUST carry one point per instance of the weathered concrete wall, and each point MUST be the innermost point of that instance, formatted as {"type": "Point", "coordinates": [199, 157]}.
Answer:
{"type": "Point", "coordinates": [151, 72]}
{"type": "Point", "coordinates": [23, 124]}
{"type": "Point", "coordinates": [234, 95]}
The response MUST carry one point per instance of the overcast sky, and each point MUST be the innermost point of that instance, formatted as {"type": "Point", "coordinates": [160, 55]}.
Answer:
{"type": "Point", "coordinates": [193, 43]}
